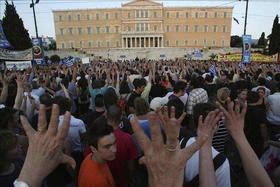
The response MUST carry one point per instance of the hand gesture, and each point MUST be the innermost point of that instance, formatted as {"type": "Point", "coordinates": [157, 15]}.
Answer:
{"type": "Point", "coordinates": [165, 162]}
{"type": "Point", "coordinates": [45, 146]}
{"type": "Point", "coordinates": [234, 117]}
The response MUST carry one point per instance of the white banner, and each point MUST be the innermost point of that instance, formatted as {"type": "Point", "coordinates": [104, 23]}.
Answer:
{"type": "Point", "coordinates": [18, 65]}
{"type": "Point", "coordinates": [6, 54]}
{"type": "Point", "coordinates": [85, 60]}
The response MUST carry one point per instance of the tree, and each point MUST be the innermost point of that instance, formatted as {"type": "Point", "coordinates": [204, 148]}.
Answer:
{"type": "Point", "coordinates": [274, 39]}
{"type": "Point", "coordinates": [262, 41]}
{"type": "Point", "coordinates": [14, 29]}
{"type": "Point", "coordinates": [52, 46]}
{"type": "Point", "coordinates": [235, 41]}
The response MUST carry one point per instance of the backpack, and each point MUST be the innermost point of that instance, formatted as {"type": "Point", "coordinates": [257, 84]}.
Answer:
{"type": "Point", "coordinates": [217, 161]}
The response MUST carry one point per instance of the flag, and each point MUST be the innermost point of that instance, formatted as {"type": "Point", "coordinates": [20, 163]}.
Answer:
{"type": "Point", "coordinates": [69, 61]}
{"type": "Point", "coordinates": [242, 66]}
{"type": "Point", "coordinates": [213, 70]}
{"type": "Point", "coordinates": [236, 20]}
{"type": "Point", "coordinates": [4, 43]}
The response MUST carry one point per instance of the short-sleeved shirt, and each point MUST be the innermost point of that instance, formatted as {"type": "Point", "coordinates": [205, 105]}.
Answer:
{"type": "Point", "coordinates": [273, 114]}
{"type": "Point", "coordinates": [77, 127]}
{"type": "Point", "coordinates": [126, 151]}
{"type": "Point", "coordinates": [93, 174]}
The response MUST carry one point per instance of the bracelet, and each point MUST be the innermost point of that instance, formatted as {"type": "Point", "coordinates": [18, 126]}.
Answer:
{"type": "Point", "coordinates": [18, 183]}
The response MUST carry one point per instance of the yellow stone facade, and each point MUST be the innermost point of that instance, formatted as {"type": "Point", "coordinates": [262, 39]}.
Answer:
{"type": "Point", "coordinates": [143, 24]}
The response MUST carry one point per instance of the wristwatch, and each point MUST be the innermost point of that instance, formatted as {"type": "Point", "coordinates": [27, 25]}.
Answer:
{"type": "Point", "coordinates": [18, 183]}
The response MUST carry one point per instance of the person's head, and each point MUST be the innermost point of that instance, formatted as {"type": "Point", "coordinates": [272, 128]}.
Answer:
{"type": "Point", "coordinates": [9, 149]}
{"type": "Point", "coordinates": [180, 88]}
{"type": "Point", "coordinates": [208, 78]}
{"type": "Point", "coordinates": [223, 94]}
{"type": "Point", "coordinates": [34, 84]}
{"type": "Point", "coordinates": [99, 101]}
{"type": "Point", "coordinates": [139, 84]}
{"type": "Point", "coordinates": [253, 97]}
{"type": "Point", "coordinates": [141, 106]}
{"type": "Point", "coordinates": [102, 141]}
{"type": "Point", "coordinates": [83, 83]}
{"type": "Point", "coordinates": [261, 92]}
{"type": "Point", "coordinates": [9, 118]}
{"type": "Point", "coordinates": [63, 103]}
{"type": "Point", "coordinates": [197, 82]}
{"type": "Point", "coordinates": [110, 98]}
{"type": "Point", "coordinates": [242, 94]}
{"type": "Point", "coordinates": [202, 109]}
{"type": "Point", "coordinates": [178, 105]}
{"type": "Point", "coordinates": [65, 82]}
{"type": "Point", "coordinates": [114, 115]}
{"type": "Point", "coordinates": [261, 81]}
{"type": "Point", "coordinates": [46, 100]}
{"type": "Point", "coordinates": [277, 77]}
{"type": "Point", "coordinates": [124, 88]}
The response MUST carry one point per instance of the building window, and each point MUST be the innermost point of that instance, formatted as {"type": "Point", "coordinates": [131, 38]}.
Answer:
{"type": "Point", "coordinates": [81, 44]}
{"type": "Point", "coordinates": [118, 44]}
{"type": "Point", "coordinates": [155, 28]}
{"type": "Point", "coordinates": [61, 32]}
{"type": "Point", "coordinates": [216, 14]}
{"type": "Point", "coordinates": [129, 29]}
{"type": "Point", "coordinates": [62, 45]}
{"type": "Point", "coordinates": [196, 28]}
{"type": "Point", "coordinates": [89, 30]}
{"type": "Point", "coordinates": [97, 30]}
{"type": "Point", "coordinates": [214, 42]}
{"type": "Point", "coordinates": [204, 42]}
{"type": "Point", "coordinates": [70, 30]}
{"type": "Point", "coordinates": [186, 28]}
{"type": "Point", "coordinates": [142, 13]}
{"type": "Point", "coordinates": [205, 28]}
{"type": "Point", "coordinates": [98, 44]}
{"type": "Point", "coordinates": [225, 14]}
{"type": "Point", "coordinates": [187, 15]}
{"type": "Point", "coordinates": [206, 14]}
{"type": "Point", "coordinates": [142, 26]}
{"type": "Point", "coordinates": [223, 43]}
{"type": "Point", "coordinates": [97, 16]}
{"type": "Point", "coordinates": [116, 16]}
{"type": "Point", "coordinates": [167, 28]}
{"type": "Point", "coordinates": [155, 14]}
{"type": "Point", "coordinates": [128, 15]}
{"type": "Point", "coordinates": [107, 29]}
{"type": "Point", "coordinates": [215, 28]}
{"type": "Point", "coordinates": [137, 14]}
{"type": "Point", "coordinates": [177, 28]}
{"type": "Point", "coordinates": [195, 42]}
{"type": "Point", "coordinates": [60, 18]}
{"type": "Point", "coordinates": [186, 42]}
{"type": "Point", "coordinates": [196, 15]}
{"type": "Point", "coordinates": [108, 44]}
{"type": "Point", "coordinates": [146, 26]}
{"type": "Point", "coordinates": [138, 27]}
{"type": "Point", "coordinates": [167, 14]}
{"type": "Point", "coordinates": [69, 17]}
{"type": "Point", "coordinates": [177, 14]}
{"type": "Point", "coordinates": [117, 29]}
{"type": "Point", "coordinates": [107, 16]}
{"type": "Point", "coordinates": [224, 28]}
{"type": "Point", "coordinates": [79, 17]}
{"type": "Point", "coordinates": [88, 18]}
{"type": "Point", "coordinates": [146, 14]}
{"type": "Point", "coordinates": [89, 44]}
{"type": "Point", "coordinates": [71, 44]}
{"type": "Point", "coordinates": [177, 43]}
{"type": "Point", "coordinates": [79, 30]}
{"type": "Point", "coordinates": [167, 43]}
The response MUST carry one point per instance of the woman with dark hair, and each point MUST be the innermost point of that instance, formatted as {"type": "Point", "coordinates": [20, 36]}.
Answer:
{"type": "Point", "coordinates": [83, 96]}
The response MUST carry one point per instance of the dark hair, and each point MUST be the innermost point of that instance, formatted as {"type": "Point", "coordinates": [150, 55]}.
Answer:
{"type": "Point", "coordinates": [8, 141]}
{"type": "Point", "coordinates": [98, 131]}
{"type": "Point", "coordinates": [124, 88]}
{"type": "Point", "coordinates": [197, 82]}
{"type": "Point", "coordinates": [179, 106]}
{"type": "Point", "coordinates": [7, 117]}
{"type": "Point", "coordinates": [99, 100]}
{"type": "Point", "coordinates": [114, 113]}
{"type": "Point", "coordinates": [261, 81]}
{"type": "Point", "coordinates": [46, 100]}
{"type": "Point", "coordinates": [83, 83]}
{"type": "Point", "coordinates": [65, 82]}
{"type": "Point", "coordinates": [180, 86]}
{"type": "Point", "coordinates": [252, 97]}
{"type": "Point", "coordinates": [208, 78]}
{"type": "Point", "coordinates": [110, 98]}
{"type": "Point", "coordinates": [277, 77]}
{"type": "Point", "coordinates": [141, 106]}
{"type": "Point", "coordinates": [138, 83]}
{"type": "Point", "coordinates": [202, 109]}
{"type": "Point", "coordinates": [63, 103]}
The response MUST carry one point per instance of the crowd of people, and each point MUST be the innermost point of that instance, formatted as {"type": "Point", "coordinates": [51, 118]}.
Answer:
{"type": "Point", "coordinates": [140, 123]}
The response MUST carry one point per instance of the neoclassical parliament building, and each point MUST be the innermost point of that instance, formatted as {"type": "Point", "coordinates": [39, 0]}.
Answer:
{"type": "Point", "coordinates": [143, 24]}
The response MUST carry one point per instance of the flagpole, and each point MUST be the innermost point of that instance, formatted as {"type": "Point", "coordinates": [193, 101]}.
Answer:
{"type": "Point", "coordinates": [246, 14]}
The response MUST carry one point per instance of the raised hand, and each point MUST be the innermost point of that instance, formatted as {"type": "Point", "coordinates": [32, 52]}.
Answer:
{"type": "Point", "coordinates": [45, 146]}
{"type": "Point", "coordinates": [165, 161]}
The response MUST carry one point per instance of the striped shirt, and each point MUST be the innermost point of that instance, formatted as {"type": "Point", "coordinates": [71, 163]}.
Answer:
{"type": "Point", "coordinates": [220, 137]}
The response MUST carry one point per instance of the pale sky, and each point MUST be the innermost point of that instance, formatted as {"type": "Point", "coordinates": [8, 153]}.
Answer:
{"type": "Point", "coordinates": [260, 15]}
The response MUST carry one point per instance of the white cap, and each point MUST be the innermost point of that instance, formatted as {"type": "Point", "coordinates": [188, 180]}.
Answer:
{"type": "Point", "coordinates": [158, 102]}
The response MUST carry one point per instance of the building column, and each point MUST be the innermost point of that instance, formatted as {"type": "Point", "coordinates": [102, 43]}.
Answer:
{"type": "Point", "coordinates": [130, 40]}
{"type": "Point", "coordinates": [135, 42]}
{"type": "Point", "coordinates": [122, 42]}
{"type": "Point", "coordinates": [145, 42]}
{"type": "Point", "coordinates": [126, 42]}
{"type": "Point", "coordinates": [162, 44]}
{"type": "Point", "coordinates": [149, 41]}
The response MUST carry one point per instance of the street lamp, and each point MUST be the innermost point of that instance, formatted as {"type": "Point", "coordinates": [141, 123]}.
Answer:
{"type": "Point", "coordinates": [32, 5]}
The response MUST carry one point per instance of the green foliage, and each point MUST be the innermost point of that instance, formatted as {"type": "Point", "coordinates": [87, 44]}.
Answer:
{"type": "Point", "coordinates": [14, 29]}
{"type": "Point", "coordinates": [235, 41]}
{"type": "Point", "coordinates": [274, 38]}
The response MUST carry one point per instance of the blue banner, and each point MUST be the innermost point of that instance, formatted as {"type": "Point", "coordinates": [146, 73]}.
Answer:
{"type": "Point", "coordinates": [4, 43]}
{"type": "Point", "coordinates": [246, 57]}
{"type": "Point", "coordinates": [38, 53]}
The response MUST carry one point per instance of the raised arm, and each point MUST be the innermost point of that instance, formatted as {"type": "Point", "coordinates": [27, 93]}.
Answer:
{"type": "Point", "coordinates": [254, 170]}
{"type": "Point", "coordinates": [19, 96]}
{"type": "Point", "coordinates": [4, 93]}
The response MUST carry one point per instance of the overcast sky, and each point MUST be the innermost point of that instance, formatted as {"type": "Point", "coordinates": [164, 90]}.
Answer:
{"type": "Point", "coordinates": [260, 15]}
